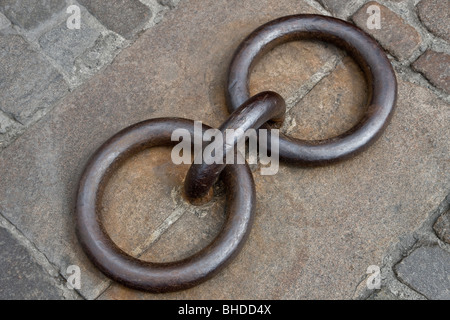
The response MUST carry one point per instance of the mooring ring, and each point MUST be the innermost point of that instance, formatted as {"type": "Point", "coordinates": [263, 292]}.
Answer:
{"type": "Point", "coordinates": [367, 53]}
{"type": "Point", "coordinates": [159, 277]}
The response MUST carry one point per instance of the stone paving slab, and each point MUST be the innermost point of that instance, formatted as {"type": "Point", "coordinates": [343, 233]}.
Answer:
{"type": "Point", "coordinates": [28, 83]}
{"type": "Point", "coordinates": [126, 17]}
{"type": "Point", "coordinates": [316, 230]}
{"type": "Point", "coordinates": [22, 278]}
{"type": "Point", "coordinates": [427, 270]}
{"type": "Point", "coordinates": [19, 12]}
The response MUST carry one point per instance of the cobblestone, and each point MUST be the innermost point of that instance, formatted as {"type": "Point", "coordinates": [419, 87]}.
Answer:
{"type": "Point", "coordinates": [126, 17]}
{"type": "Point", "coordinates": [435, 15]}
{"type": "Point", "coordinates": [28, 14]}
{"type": "Point", "coordinates": [29, 84]}
{"type": "Point", "coordinates": [65, 45]}
{"type": "Point", "coordinates": [395, 35]}
{"type": "Point", "coordinates": [427, 270]}
{"type": "Point", "coordinates": [435, 66]}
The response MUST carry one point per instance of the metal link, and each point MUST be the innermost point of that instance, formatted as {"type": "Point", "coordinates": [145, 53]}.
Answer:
{"type": "Point", "coordinates": [246, 113]}
{"type": "Point", "coordinates": [252, 114]}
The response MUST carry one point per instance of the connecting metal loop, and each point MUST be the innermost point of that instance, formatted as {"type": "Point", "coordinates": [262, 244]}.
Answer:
{"type": "Point", "coordinates": [252, 114]}
{"type": "Point", "coordinates": [159, 277]}
{"type": "Point", "coordinates": [370, 57]}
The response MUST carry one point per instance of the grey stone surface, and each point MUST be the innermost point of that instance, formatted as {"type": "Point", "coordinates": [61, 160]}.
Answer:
{"type": "Point", "coordinates": [126, 17]}
{"type": "Point", "coordinates": [427, 270]}
{"type": "Point", "coordinates": [28, 14]}
{"type": "Point", "coordinates": [21, 277]}
{"type": "Point", "coordinates": [442, 227]}
{"type": "Point", "coordinates": [169, 3]}
{"type": "Point", "coordinates": [28, 83]}
{"type": "Point", "coordinates": [65, 45]}
{"type": "Point", "coordinates": [4, 22]}
{"type": "Point", "coordinates": [8, 129]}
{"type": "Point", "coordinates": [102, 52]}
{"type": "Point", "coordinates": [341, 9]}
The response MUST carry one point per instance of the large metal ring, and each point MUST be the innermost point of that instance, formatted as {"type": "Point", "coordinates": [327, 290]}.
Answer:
{"type": "Point", "coordinates": [367, 53]}
{"type": "Point", "coordinates": [252, 114]}
{"type": "Point", "coordinates": [158, 277]}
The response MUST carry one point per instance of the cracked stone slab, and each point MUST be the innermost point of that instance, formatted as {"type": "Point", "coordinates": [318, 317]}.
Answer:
{"type": "Point", "coordinates": [316, 230]}
{"type": "Point", "coordinates": [126, 17]}
{"type": "Point", "coordinates": [28, 83]}
{"type": "Point", "coordinates": [29, 14]}
{"type": "Point", "coordinates": [427, 270]}
{"type": "Point", "coordinates": [21, 277]}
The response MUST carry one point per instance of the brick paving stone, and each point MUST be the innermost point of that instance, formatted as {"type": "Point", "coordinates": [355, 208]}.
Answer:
{"type": "Point", "coordinates": [126, 17]}
{"type": "Point", "coordinates": [435, 15]}
{"type": "Point", "coordinates": [316, 230]}
{"type": "Point", "coordinates": [395, 35]}
{"type": "Point", "coordinates": [435, 66]}
{"type": "Point", "coordinates": [65, 45]}
{"type": "Point", "coordinates": [28, 14]}
{"type": "Point", "coordinates": [21, 277]}
{"type": "Point", "coordinates": [28, 83]}
{"type": "Point", "coordinates": [427, 271]}
{"type": "Point", "coordinates": [442, 227]}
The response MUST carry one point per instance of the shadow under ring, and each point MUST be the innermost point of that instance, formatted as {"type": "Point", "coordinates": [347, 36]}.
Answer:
{"type": "Point", "coordinates": [367, 53]}
{"type": "Point", "coordinates": [148, 276]}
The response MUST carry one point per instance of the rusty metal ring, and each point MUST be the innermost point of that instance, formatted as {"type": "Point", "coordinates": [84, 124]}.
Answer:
{"type": "Point", "coordinates": [252, 114]}
{"type": "Point", "coordinates": [158, 277]}
{"type": "Point", "coordinates": [367, 53]}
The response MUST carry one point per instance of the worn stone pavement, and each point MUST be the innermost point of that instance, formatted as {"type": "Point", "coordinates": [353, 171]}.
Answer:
{"type": "Point", "coordinates": [317, 230]}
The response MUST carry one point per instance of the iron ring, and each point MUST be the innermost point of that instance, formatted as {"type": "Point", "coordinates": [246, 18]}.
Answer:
{"type": "Point", "coordinates": [158, 277]}
{"type": "Point", "coordinates": [367, 53]}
